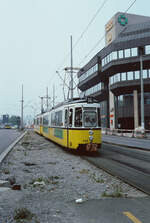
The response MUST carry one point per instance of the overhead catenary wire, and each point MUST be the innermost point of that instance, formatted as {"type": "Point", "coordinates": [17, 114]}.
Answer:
{"type": "Point", "coordinates": [80, 37]}
{"type": "Point", "coordinates": [85, 30]}
{"type": "Point", "coordinates": [130, 6]}
{"type": "Point", "coordinates": [99, 41]}
{"type": "Point", "coordinates": [62, 79]}
{"type": "Point", "coordinates": [91, 21]}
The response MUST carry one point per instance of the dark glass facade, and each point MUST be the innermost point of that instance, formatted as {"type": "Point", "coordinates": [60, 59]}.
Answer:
{"type": "Point", "coordinates": [124, 108]}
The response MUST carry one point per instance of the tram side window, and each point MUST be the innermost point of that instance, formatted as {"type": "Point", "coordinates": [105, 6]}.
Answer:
{"type": "Point", "coordinates": [38, 121]}
{"type": "Point", "coordinates": [41, 121]}
{"type": "Point", "coordinates": [70, 117]}
{"type": "Point", "coordinates": [53, 119]}
{"type": "Point", "coordinates": [45, 120]}
{"type": "Point", "coordinates": [78, 117]}
{"type": "Point", "coordinates": [58, 118]}
{"type": "Point", "coordinates": [66, 117]}
{"type": "Point", "coordinates": [99, 117]}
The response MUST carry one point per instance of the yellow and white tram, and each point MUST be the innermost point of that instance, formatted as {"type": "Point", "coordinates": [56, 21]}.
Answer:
{"type": "Point", "coordinates": [72, 124]}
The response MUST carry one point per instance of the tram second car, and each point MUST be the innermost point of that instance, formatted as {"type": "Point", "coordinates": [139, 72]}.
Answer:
{"type": "Point", "coordinates": [72, 124]}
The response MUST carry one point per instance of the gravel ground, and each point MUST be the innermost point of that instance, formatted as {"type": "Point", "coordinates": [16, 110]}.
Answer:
{"type": "Point", "coordinates": [52, 182]}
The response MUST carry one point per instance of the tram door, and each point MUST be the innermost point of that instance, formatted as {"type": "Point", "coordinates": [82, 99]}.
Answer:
{"type": "Point", "coordinates": [67, 124]}
{"type": "Point", "coordinates": [68, 121]}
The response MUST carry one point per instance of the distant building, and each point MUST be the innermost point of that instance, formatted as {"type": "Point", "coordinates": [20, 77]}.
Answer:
{"type": "Point", "coordinates": [112, 76]}
{"type": "Point", "coordinates": [5, 119]}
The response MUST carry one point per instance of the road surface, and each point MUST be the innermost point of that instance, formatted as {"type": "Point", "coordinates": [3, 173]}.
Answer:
{"type": "Point", "coordinates": [7, 136]}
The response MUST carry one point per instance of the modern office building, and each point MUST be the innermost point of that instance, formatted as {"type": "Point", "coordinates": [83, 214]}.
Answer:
{"type": "Point", "coordinates": [113, 75]}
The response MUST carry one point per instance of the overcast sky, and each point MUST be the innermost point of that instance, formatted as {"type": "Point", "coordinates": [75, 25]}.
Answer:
{"type": "Point", "coordinates": [35, 43]}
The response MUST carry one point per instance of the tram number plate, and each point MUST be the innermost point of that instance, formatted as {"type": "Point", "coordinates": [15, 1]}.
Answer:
{"type": "Point", "coordinates": [85, 140]}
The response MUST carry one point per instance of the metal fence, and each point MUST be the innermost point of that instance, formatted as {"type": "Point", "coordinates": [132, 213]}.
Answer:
{"type": "Point", "coordinates": [127, 132]}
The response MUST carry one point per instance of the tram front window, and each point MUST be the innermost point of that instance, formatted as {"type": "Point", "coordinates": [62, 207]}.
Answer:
{"type": "Point", "coordinates": [90, 119]}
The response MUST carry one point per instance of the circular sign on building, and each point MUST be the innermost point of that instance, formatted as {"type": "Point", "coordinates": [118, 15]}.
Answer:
{"type": "Point", "coordinates": [123, 20]}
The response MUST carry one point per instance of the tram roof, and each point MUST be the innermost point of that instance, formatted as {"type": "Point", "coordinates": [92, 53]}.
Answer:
{"type": "Point", "coordinates": [74, 101]}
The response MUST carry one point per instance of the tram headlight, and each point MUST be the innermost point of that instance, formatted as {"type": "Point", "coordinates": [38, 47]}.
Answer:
{"type": "Point", "coordinates": [90, 132]}
{"type": "Point", "coordinates": [90, 138]}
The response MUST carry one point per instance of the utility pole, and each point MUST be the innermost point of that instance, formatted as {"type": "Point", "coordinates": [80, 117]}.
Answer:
{"type": "Point", "coordinates": [42, 109]}
{"type": "Point", "coordinates": [47, 98]}
{"type": "Point", "coordinates": [71, 71]}
{"type": "Point", "coordinates": [53, 95]}
{"type": "Point", "coordinates": [22, 109]}
{"type": "Point", "coordinates": [42, 101]}
{"type": "Point", "coordinates": [142, 89]}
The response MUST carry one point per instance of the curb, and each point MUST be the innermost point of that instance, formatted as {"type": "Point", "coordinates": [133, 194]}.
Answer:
{"type": "Point", "coordinates": [10, 147]}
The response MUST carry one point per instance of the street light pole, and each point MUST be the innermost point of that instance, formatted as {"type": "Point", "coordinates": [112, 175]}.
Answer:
{"type": "Point", "coordinates": [142, 90]}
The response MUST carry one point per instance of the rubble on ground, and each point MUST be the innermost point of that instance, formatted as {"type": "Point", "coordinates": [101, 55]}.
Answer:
{"type": "Point", "coordinates": [50, 182]}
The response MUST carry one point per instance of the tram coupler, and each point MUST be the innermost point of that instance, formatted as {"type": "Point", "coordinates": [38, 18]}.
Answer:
{"type": "Point", "coordinates": [91, 147]}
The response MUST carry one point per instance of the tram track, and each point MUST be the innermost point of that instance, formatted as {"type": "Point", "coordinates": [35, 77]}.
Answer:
{"type": "Point", "coordinates": [143, 170]}
{"type": "Point", "coordinates": [131, 166]}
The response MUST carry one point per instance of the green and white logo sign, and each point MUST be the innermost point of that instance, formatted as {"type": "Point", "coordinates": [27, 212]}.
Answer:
{"type": "Point", "coordinates": [122, 20]}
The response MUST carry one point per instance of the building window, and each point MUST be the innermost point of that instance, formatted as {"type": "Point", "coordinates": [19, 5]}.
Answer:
{"type": "Point", "coordinates": [127, 53]}
{"type": "Point", "coordinates": [96, 66]}
{"type": "Point", "coordinates": [90, 71]}
{"type": "Point", "coordinates": [147, 98]}
{"type": "Point", "coordinates": [149, 73]}
{"type": "Point", "coordinates": [87, 73]}
{"type": "Point", "coordinates": [108, 58]}
{"type": "Point", "coordinates": [120, 100]}
{"type": "Point", "coordinates": [123, 76]}
{"type": "Point", "coordinates": [130, 75]}
{"type": "Point", "coordinates": [114, 55]}
{"type": "Point", "coordinates": [147, 49]}
{"type": "Point", "coordinates": [144, 74]}
{"type": "Point", "coordinates": [134, 52]}
{"type": "Point", "coordinates": [103, 62]}
{"type": "Point", "coordinates": [92, 90]}
{"type": "Point", "coordinates": [111, 80]}
{"type": "Point", "coordinates": [137, 75]}
{"type": "Point", "coordinates": [118, 77]}
{"type": "Point", "coordinates": [120, 53]}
